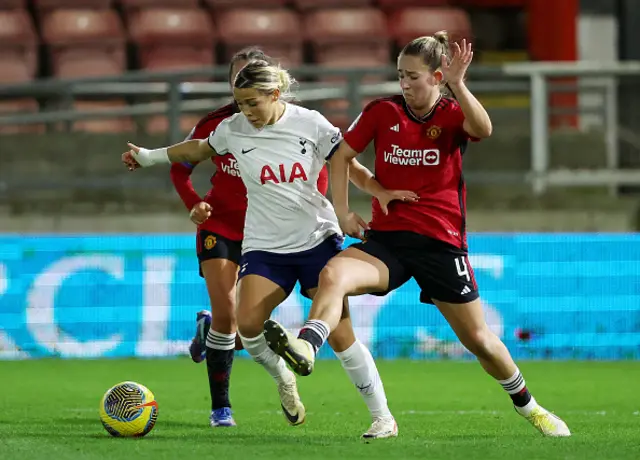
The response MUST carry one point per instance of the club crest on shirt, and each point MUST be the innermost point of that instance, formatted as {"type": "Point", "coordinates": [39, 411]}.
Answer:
{"type": "Point", "coordinates": [433, 132]}
{"type": "Point", "coordinates": [209, 242]}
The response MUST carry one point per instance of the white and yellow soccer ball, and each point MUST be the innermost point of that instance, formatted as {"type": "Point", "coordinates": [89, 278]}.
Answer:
{"type": "Point", "coordinates": [128, 409]}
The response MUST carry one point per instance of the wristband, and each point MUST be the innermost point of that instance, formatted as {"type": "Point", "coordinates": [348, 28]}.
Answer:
{"type": "Point", "coordinates": [151, 157]}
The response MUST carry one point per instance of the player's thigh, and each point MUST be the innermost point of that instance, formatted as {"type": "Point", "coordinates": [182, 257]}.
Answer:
{"type": "Point", "coordinates": [468, 322]}
{"type": "Point", "coordinates": [310, 263]}
{"type": "Point", "coordinates": [343, 336]}
{"type": "Point", "coordinates": [446, 279]}
{"type": "Point", "coordinates": [355, 272]}
{"type": "Point", "coordinates": [257, 298]}
{"type": "Point", "coordinates": [221, 277]}
{"type": "Point", "coordinates": [218, 263]}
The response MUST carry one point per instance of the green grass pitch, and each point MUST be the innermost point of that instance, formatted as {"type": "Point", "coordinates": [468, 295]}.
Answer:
{"type": "Point", "coordinates": [445, 410]}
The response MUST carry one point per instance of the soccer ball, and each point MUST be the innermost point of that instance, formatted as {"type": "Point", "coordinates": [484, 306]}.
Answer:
{"type": "Point", "coordinates": [128, 409]}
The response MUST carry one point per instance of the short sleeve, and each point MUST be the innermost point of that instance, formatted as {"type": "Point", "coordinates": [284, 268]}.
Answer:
{"type": "Point", "coordinates": [218, 139]}
{"type": "Point", "coordinates": [191, 134]}
{"type": "Point", "coordinates": [363, 129]}
{"type": "Point", "coordinates": [328, 140]}
{"type": "Point", "coordinates": [458, 122]}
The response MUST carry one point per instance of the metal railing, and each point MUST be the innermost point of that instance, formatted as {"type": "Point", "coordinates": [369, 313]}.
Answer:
{"type": "Point", "coordinates": [539, 74]}
{"type": "Point", "coordinates": [184, 92]}
{"type": "Point", "coordinates": [184, 95]}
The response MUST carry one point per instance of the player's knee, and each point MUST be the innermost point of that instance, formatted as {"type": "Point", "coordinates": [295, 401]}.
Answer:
{"type": "Point", "coordinates": [249, 323]}
{"type": "Point", "coordinates": [480, 342]}
{"type": "Point", "coordinates": [332, 279]}
{"type": "Point", "coordinates": [223, 313]}
{"type": "Point", "coordinates": [248, 328]}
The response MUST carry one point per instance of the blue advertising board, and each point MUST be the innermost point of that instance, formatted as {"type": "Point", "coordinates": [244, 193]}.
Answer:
{"type": "Point", "coordinates": [548, 296]}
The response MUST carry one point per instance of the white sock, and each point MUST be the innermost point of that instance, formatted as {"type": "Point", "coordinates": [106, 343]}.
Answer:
{"type": "Point", "coordinates": [526, 410]}
{"type": "Point", "coordinates": [219, 341]}
{"type": "Point", "coordinates": [513, 384]}
{"type": "Point", "coordinates": [363, 373]}
{"type": "Point", "coordinates": [261, 353]}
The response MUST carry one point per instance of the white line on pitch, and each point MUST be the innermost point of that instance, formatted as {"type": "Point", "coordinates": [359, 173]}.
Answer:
{"type": "Point", "coordinates": [403, 412]}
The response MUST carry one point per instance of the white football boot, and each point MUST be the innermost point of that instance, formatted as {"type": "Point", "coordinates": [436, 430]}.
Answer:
{"type": "Point", "coordinates": [545, 422]}
{"type": "Point", "coordinates": [292, 407]}
{"type": "Point", "coordinates": [382, 427]}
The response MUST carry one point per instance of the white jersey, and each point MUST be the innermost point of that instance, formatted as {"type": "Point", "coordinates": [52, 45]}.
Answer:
{"type": "Point", "coordinates": [279, 164]}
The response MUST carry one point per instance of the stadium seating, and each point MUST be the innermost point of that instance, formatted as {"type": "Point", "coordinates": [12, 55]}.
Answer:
{"type": "Point", "coordinates": [348, 37]}
{"type": "Point", "coordinates": [105, 125]}
{"type": "Point", "coordinates": [84, 43]}
{"type": "Point", "coordinates": [223, 4]}
{"type": "Point", "coordinates": [12, 4]}
{"type": "Point", "coordinates": [396, 4]}
{"type": "Point", "coordinates": [171, 39]}
{"type": "Point", "coordinates": [18, 63]}
{"type": "Point", "coordinates": [18, 39]}
{"type": "Point", "coordinates": [160, 124]}
{"type": "Point", "coordinates": [321, 4]}
{"type": "Point", "coordinates": [277, 31]}
{"type": "Point", "coordinates": [19, 106]}
{"type": "Point", "coordinates": [409, 23]}
{"type": "Point", "coordinates": [86, 38]}
{"type": "Point", "coordinates": [48, 5]}
{"type": "Point", "coordinates": [137, 4]}
{"type": "Point", "coordinates": [341, 38]}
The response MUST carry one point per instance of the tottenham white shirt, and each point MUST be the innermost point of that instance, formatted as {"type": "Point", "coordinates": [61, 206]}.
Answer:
{"type": "Point", "coordinates": [279, 165]}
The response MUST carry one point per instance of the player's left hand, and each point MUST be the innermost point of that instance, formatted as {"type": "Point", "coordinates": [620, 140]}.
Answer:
{"type": "Point", "coordinates": [388, 196]}
{"type": "Point", "coordinates": [454, 70]}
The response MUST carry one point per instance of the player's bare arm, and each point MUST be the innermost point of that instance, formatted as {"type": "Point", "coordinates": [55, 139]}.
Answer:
{"type": "Point", "coordinates": [365, 181]}
{"type": "Point", "coordinates": [477, 122]}
{"type": "Point", "coordinates": [350, 222]}
{"type": "Point", "coordinates": [192, 151]}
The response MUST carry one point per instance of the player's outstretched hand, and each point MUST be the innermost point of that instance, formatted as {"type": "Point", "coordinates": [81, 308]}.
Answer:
{"type": "Point", "coordinates": [129, 157]}
{"type": "Point", "coordinates": [401, 195]}
{"type": "Point", "coordinates": [353, 225]}
{"type": "Point", "coordinates": [454, 70]}
{"type": "Point", "coordinates": [200, 212]}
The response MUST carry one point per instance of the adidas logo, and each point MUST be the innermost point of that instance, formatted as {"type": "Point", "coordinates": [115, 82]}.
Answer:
{"type": "Point", "coordinates": [395, 128]}
{"type": "Point", "coordinates": [466, 290]}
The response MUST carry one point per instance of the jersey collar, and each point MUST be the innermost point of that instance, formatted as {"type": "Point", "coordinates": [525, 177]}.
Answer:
{"type": "Point", "coordinates": [426, 117]}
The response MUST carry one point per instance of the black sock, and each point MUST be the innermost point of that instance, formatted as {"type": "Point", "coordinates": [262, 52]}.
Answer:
{"type": "Point", "coordinates": [515, 386]}
{"type": "Point", "coordinates": [315, 332]}
{"type": "Point", "coordinates": [220, 353]}
{"type": "Point", "coordinates": [521, 398]}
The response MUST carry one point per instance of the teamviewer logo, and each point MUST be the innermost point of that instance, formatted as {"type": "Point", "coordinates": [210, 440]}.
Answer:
{"type": "Point", "coordinates": [431, 157]}
{"type": "Point", "coordinates": [408, 157]}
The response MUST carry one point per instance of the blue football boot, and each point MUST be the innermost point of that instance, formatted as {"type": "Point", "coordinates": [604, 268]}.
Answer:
{"type": "Point", "coordinates": [198, 347]}
{"type": "Point", "coordinates": [222, 417]}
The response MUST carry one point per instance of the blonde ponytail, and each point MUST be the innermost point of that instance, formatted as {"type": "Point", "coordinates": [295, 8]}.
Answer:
{"type": "Point", "coordinates": [265, 77]}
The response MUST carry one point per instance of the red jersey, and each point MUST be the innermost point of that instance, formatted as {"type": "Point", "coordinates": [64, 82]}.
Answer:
{"type": "Point", "coordinates": [423, 155]}
{"type": "Point", "coordinates": [228, 195]}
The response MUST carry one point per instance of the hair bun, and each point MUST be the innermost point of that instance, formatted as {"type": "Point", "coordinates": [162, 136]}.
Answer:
{"type": "Point", "coordinates": [442, 37]}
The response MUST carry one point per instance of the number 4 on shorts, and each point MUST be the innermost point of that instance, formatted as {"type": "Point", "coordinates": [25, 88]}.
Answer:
{"type": "Point", "coordinates": [462, 268]}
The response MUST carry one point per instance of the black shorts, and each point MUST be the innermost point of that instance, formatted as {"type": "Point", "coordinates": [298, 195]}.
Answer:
{"type": "Point", "coordinates": [442, 271]}
{"type": "Point", "coordinates": [213, 246]}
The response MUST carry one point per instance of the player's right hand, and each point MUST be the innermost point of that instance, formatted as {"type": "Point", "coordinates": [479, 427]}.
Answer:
{"type": "Point", "coordinates": [200, 212]}
{"type": "Point", "coordinates": [130, 157]}
{"type": "Point", "coordinates": [388, 196]}
{"type": "Point", "coordinates": [353, 225]}
{"type": "Point", "coordinates": [129, 161]}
